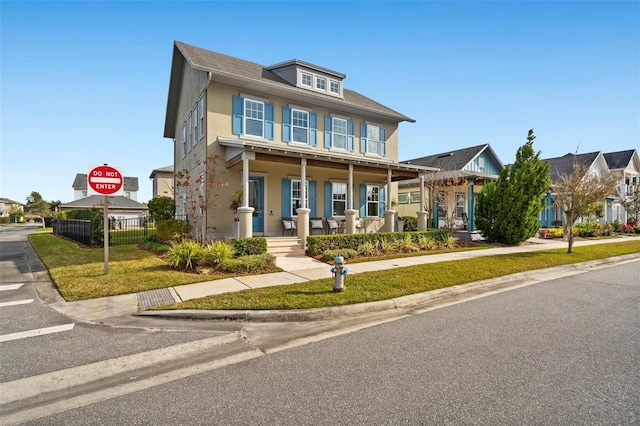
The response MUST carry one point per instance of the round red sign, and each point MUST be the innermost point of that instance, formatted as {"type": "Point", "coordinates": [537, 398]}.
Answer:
{"type": "Point", "coordinates": [105, 180]}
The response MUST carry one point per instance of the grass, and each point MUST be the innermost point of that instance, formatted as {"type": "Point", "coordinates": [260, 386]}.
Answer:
{"type": "Point", "coordinates": [388, 284]}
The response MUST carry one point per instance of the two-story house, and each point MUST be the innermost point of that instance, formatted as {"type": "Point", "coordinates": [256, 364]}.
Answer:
{"type": "Point", "coordinates": [451, 190]}
{"type": "Point", "coordinates": [162, 182]}
{"type": "Point", "coordinates": [626, 166]}
{"type": "Point", "coordinates": [290, 136]}
{"type": "Point", "coordinates": [8, 206]}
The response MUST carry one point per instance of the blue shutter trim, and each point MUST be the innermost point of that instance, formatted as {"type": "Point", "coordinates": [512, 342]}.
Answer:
{"type": "Point", "coordinates": [268, 121]}
{"type": "Point", "coordinates": [238, 110]}
{"type": "Point", "coordinates": [286, 124]}
{"type": "Point", "coordinates": [327, 131]}
{"type": "Point", "coordinates": [350, 136]}
{"type": "Point", "coordinates": [383, 141]}
{"type": "Point", "coordinates": [313, 196]}
{"type": "Point", "coordinates": [286, 197]}
{"type": "Point", "coordinates": [383, 203]}
{"type": "Point", "coordinates": [363, 137]}
{"type": "Point", "coordinates": [327, 199]}
{"type": "Point", "coordinates": [313, 129]}
{"type": "Point", "coordinates": [363, 200]}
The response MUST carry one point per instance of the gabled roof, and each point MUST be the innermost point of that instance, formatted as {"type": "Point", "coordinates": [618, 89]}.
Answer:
{"type": "Point", "coordinates": [118, 203]}
{"type": "Point", "coordinates": [8, 201]}
{"type": "Point", "coordinates": [620, 159]}
{"type": "Point", "coordinates": [80, 183]}
{"type": "Point", "coordinates": [563, 166]}
{"type": "Point", "coordinates": [255, 77]}
{"type": "Point", "coordinates": [167, 169]}
{"type": "Point", "coordinates": [455, 160]}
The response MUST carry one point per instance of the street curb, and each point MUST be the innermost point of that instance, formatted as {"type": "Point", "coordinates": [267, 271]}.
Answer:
{"type": "Point", "coordinates": [404, 302]}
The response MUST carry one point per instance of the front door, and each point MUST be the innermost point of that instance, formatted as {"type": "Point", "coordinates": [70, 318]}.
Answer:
{"type": "Point", "coordinates": [256, 200]}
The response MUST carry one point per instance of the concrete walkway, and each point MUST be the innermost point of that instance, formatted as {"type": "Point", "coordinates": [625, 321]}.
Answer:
{"type": "Point", "coordinates": [297, 270]}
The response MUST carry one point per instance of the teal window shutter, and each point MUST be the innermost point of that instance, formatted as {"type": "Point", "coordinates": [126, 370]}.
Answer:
{"type": "Point", "coordinates": [363, 137]}
{"type": "Point", "coordinates": [350, 136]}
{"type": "Point", "coordinates": [286, 124]}
{"type": "Point", "coordinates": [313, 195]}
{"type": "Point", "coordinates": [313, 129]}
{"type": "Point", "coordinates": [238, 109]}
{"type": "Point", "coordinates": [363, 200]}
{"type": "Point", "coordinates": [327, 199]}
{"type": "Point", "coordinates": [268, 121]}
{"type": "Point", "coordinates": [286, 197]}
{"type": "Point", "coordinates": [383, 141]}
{"type": "Point", "coordinates": [383, 203]}
{"type": "Point", "coordinates": [327, 131]}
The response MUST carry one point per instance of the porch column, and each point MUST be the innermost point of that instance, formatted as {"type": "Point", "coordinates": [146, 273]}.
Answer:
{"type": "Point", "coordinates": [436, 206]}
{"type": "Point", "coordinates": [245, 213]}
{"type": "Point", "coordinates": [389, 215]}
{"type": "Point", "coordinates": [303, 212]}
{"type": "Point", "coordinates": [350, 213]}
{"type": "Point", "coordinates": [472, 209]}
{"type": "Point", "coordinates": [422, 214]}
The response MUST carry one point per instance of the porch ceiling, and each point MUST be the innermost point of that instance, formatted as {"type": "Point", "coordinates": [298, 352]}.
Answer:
{"type": "Point", "coordinates": [234, 149]}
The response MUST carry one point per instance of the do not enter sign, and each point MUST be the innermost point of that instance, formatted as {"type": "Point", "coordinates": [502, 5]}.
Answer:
{"type": "Point", "coordinates": [105, 180]}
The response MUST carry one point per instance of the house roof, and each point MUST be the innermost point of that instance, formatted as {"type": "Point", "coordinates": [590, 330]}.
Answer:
{"type": "Point", "coordinates": [8, 201]}
{"type": "Point", "coordinates": [117, 203]}
{"type": "Point", "coordinates": [455, 160]}
{"type": "Point", "coordinates": [80, 183]}
{"type": "Point", "coordinates": [563, 166]}
{"type": "Point", "coordinates": [247, 75]}
{"type": "Point", "coordinates": [620, 159]}
{"type": "Point", "coordinates": [167, 169]}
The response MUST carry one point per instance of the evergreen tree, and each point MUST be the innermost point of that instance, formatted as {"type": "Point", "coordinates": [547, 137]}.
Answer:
{"type": "Point", "coordinates": [36, 205]}
{"type": "Point", "coordinates": [162, 208]}
{"type": "Point", "coordinates": [508, 209]}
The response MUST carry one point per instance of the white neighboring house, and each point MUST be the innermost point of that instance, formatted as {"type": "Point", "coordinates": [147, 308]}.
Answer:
{"type": "Point", "coordinates": [626, 166]}
{"type": "Point", "coordinates": [120, 207]}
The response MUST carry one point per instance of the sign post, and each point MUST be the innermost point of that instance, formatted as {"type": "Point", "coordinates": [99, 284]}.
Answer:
{"type": "Point", "coordinates": [105, 180]}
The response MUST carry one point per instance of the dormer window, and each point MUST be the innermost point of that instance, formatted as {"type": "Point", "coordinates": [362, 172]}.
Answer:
{"type": "Point", "coordinates": [306, 79]}
{"type": "Point", "coordinates": [335, 87]}
{"type": "Point", "coordinates": [321, 83]}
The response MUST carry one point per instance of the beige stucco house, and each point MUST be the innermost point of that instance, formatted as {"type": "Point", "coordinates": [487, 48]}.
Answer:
{"type": "Point", "coordinates": [7, 206]}
{"type": "Point", "coordinates": [162, 181]}
{"type": "Point", "coordinates": [266, 130]}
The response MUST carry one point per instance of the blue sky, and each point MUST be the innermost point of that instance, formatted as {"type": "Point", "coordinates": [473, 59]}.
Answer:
{"type": "Point", "coordinates": [86, 83]}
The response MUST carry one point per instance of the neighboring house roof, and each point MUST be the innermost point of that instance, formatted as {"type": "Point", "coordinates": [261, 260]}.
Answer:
{"type": "Point", "coordinates": [167, 169]}
{"type": "Point", "coordinates": [251, 76]}
{"type": "Point", "coordinates": [454, 160]}
{"type": "Point", "coordinates": [620, 159]}
{"type": "Point", "coordinates": [561, 167]}
{"type": "Point", "coordinates": [8, 201]}
{"type": "Point", "coordinates": [80, 183]}
{"type": "Point", "coordinates": [93, 201]}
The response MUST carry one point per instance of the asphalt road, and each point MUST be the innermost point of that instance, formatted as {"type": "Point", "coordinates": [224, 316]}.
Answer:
{"type": "Point", "coordinates": [565, 351]}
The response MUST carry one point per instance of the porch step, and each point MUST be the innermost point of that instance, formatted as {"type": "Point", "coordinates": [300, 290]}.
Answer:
{"type": "Point", "coordinates": [284, 246]}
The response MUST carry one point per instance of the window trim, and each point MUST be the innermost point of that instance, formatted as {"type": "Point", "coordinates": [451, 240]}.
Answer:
{"type": "Point", "coordinates": [307, 129]}
{"type": "Point", "coordinates": [293, 211]}
{"type": "Point", "coordinates": [365, 139]}
{"type": "Point", "coordinates": [302, 76]}
{"type": "Point", "coordinates": [324, 84]}
{"type": "Point", "coordinates": [460, 206]}
{"type": "Point", "coordinates": [334, 200]}
{"type": "Point", "coordinates": [189, 132]}
{"type": "Point", "coordinates": [337, 83]}
{"type": "Point", "coordinates": [245, 117]}
{"type": "Point", "coordinates": [201, 117]}
{"type": "Point", "coordinates": [334, 133]}
{"type": "Point", "coordinates": [183, 135]}
{"type": "Point", "coordinates": [372, 202]}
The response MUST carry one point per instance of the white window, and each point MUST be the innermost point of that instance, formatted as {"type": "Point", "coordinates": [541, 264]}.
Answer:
{"type": "Point", "coordinates": [373, 201]}
{"type": "Point", "coordinates": [334, 87]}
{"type": "Point", "coordinates": [321, 83]}
{"type": "Point", "coordinates": [183, 135]}
{"type": "Point", "coordinates": [459, 205]}
{"type": "Point", "coordinates": [339, 127]}
{"type": "Point", "coordinates": [306, 79]}
{"type": "Point", "coordinates": [201, 117]}
{"type": "Point", "coordinates": [373, 139]}
{"type": "Point", "coordinates": [254, 117]}
{"type": "Point", "coordinates": [338, 198]}
{"type": "Point", "coordinates": [189, 133]}
{"type": "Point", "coordinates": [194, 117]}
{"type": "Point", "coordinates": [415, 197]}
{"type": "Point", "coordinates": [299, 126]}
{"type": "Point", "coordinates": [84, 194]}
{"type": "Point", "coordinates": [403, 198]}
{"type": "Point", "coordinates": [481, 164]}
{"type": "Point", "coordinates": [127, 194]}
{"type": "Point", "coordinates": [296, 195]}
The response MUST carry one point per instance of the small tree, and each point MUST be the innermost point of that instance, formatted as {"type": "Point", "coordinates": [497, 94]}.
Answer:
{"type": "Point", "coordinates": [579, 193]}
{"type": "Point", "coordinates": [631, 202]}
{"type": "Point", "coordinates": [508, 209]}
{"type": "Point", "coordinates": [162, 208]}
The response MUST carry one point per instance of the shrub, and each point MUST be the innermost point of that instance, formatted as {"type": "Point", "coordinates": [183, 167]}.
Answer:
{"type": "Point", "coordinates": [330, 255]}
{"type": "Point", "coordinates": [369, 248]}
{"type": "Point", "coordinates": [427, 243]}
{"type": "Point", "coordinates": [185, 255]}
{"type": "Point", "coordinates": [249, 246]}
{"type": "Point", "coordinates": [251, 263]}
{"type": "Point", "coordinates": [216, 252]}
{"type": "Point", "coordinates": [616, 226]}
{"type": "Point", "coordinates": [162, 208]}
{"type": "Point", "coordinates": [407, 245]}
{"type": "Point", "coordinates": [410, 223]}
{"type": "Point", "coordinates": [172, 230]}
{"type": "Point", "coordinates": [152, 244]}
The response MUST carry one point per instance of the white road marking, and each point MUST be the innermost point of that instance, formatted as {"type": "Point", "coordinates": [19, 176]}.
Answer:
{"type": "Point", "coordinates": [10, 287]}
{"type": "Point", "coordinates": [36, 332]}
{"type": "Point", "coordinates": [16, 302]}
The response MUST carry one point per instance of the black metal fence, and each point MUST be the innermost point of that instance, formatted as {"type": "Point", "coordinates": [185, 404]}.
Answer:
{"type": "Point", "coordinates": [121, 230]}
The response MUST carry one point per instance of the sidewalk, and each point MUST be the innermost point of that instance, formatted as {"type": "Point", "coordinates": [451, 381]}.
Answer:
{"type": "Point", "coordinates": [297, 270]}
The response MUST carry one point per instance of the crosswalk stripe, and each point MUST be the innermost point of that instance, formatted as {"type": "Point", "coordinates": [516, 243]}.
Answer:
{"type": "Point", "coordinates": [10, 287]}
{"type": "Point", "coordinates": [16, 302]}
{"type": "Point", "coordinates": [36, 332]}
